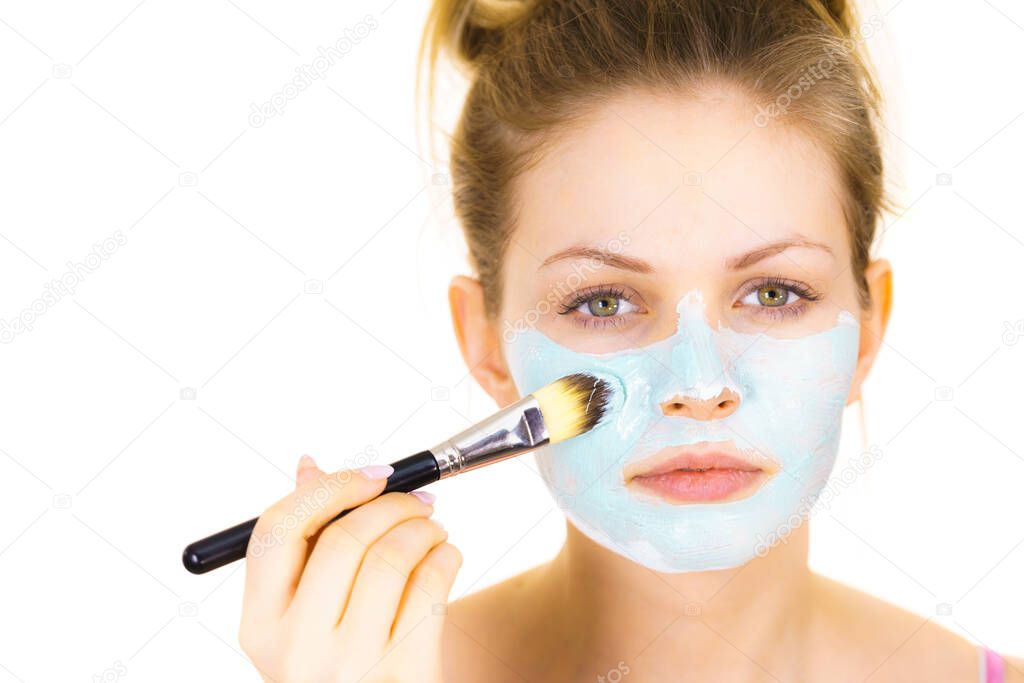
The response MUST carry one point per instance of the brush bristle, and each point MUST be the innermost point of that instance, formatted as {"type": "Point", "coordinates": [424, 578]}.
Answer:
{"type": "Point", "coordinates": [573, 405]}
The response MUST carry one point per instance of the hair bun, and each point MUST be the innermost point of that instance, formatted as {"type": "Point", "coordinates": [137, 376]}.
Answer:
{"type": "Point", "coordinates": [841, 12]}
{"type": "Point", "coordinates": [470, 28]}
{"type": "Point", "coordinates": [836, 8]}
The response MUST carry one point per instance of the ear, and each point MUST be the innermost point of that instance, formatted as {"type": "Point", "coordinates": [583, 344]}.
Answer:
{"type": "Point", "coordinates": [479, 340]}
{"type": "Point", "coordinates": [873, 322]}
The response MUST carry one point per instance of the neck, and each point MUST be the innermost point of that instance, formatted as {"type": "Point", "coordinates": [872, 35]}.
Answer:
{"type": "Point", "coordinates": [704, 623]}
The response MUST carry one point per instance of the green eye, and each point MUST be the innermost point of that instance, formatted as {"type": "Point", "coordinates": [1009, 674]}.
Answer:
{"type": "Point", "coordinates": [772, 295]}
{"type": "Point", "coordinates": [603, 306]}
{"type": "Point", "coordinates": [610, 303]}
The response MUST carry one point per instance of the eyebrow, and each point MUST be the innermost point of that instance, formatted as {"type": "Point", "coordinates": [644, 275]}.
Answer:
{"type": "Point", "coordinates": [607, 258]}
{"type": "Point", "coordinates": [773, 248]}
{"type": "Point", "coordinates": [623, 262]}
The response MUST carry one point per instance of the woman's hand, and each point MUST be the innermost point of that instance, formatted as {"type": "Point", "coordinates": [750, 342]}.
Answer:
{"type": "Point", "coordinates": [362, 600]}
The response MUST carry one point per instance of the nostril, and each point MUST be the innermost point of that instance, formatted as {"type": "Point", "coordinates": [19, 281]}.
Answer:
{"type": "Point", "coordinates": [727, 407]}
{"type": "Point", "coordinates": [677, 408]}
{"type": "Point", "coordinates": [718, 407]}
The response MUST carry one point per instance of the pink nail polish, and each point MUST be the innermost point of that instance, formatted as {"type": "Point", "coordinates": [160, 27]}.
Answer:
{"type": "Point", "coordinates": [425, 496]}
{"type": "Point", "coordinates": [376, 471]}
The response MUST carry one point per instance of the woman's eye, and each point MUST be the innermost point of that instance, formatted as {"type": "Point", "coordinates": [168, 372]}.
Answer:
{"type": "Point", "coordinates": [770, 296]}
{"type": "Point", "coordinates": [605, 306]}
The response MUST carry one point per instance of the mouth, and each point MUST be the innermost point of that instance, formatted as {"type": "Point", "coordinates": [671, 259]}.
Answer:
{"type": "Point", "coordinates": [701, 473]}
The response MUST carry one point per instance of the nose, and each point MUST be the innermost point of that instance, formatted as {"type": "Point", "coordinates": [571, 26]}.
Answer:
{"type": "Point", "coordinates": [722, 405]}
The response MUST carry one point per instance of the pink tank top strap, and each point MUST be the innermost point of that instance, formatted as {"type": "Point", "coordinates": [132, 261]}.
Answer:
{"type": "Point", "coordinates": [990, 666]}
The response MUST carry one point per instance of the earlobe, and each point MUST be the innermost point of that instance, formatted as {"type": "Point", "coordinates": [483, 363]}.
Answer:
{"type": "Point", "coordinates": [479, 340]}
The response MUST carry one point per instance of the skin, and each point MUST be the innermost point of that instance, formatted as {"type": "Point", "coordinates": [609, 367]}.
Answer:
{"type": "Point", "coordinates": [589, 611]}
{"type": "Point", "coordinates": [356, 601]}
{"type": "Point", "coordinates": [366, 599]}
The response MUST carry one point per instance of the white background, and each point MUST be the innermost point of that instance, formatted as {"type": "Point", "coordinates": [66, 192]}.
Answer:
{"type": "Point", "coordinates": [133, 117]}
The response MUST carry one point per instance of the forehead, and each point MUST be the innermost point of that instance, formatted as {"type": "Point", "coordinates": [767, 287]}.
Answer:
{"type": "Point", "coordinates": [683, 177]}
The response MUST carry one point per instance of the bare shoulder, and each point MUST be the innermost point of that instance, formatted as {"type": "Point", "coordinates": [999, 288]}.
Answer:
{"type": "Point", "coordinates": [504, 634]}
{"type": "Point", "coordinates": [1014, 669]}
{"type": "Point", "coordinates": [487, 632]}
{"type": "Point", "coordinates": [894, 644]}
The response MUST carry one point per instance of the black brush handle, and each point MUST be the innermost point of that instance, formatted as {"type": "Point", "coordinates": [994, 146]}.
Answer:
{"type": "Point", "coordinates": [229, 545]}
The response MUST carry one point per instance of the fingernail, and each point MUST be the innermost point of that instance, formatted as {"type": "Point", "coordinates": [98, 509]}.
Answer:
{"type": "Point", "coordinates": [425, 496]}
{"type": "Point", "coordinates": [305, 471]}
{"type": "Point", "coordinates": [376, 471]}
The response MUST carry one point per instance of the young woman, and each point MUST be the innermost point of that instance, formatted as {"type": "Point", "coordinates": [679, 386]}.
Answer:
{"type": "Point", "coordinates": [681, 194]}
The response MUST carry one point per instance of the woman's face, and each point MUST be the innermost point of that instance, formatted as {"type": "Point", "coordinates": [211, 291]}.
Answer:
{"type": "Point", "coordinates": [702, 264]}
{"type": "Point", "coordinates": [692, 196]}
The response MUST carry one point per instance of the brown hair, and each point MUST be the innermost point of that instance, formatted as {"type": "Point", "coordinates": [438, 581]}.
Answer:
{"type": "Point", "coordinates": [536, 66]}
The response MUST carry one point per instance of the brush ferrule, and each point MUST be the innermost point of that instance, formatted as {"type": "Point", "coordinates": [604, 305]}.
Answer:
{"type": "Point", "coordinates": [509, 432]}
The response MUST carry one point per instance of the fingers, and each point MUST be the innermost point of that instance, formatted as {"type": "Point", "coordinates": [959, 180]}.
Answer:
{"type": "Point", "coordinates": [331, 571]}
{"type": "Point", "coordinates": [279, 543]}
{"type": "Point", "coordinates": [425, 602]}
{"type": "Point", "coordinates": [306, 471]}
{"type": "Point", "coordinates": [344, 589]}
{"type": "Point", "coordinates": [382, 578]}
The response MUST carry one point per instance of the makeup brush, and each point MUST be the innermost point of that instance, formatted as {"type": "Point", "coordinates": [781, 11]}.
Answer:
{"type": "Point", "coordinates": [563, 409]}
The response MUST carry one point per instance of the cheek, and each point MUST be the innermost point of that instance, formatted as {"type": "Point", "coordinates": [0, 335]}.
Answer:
{"type": "Point", "coordinates": [794, 392]}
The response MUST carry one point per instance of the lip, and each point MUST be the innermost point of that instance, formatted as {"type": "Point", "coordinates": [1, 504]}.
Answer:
{"type": "Point", "coordinates": [728, 473]}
